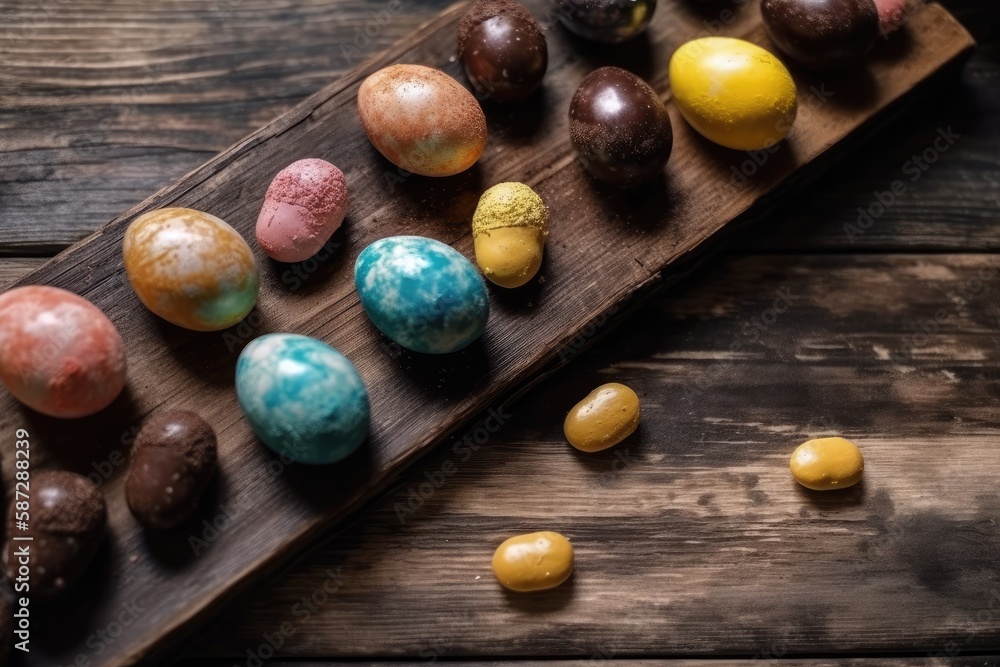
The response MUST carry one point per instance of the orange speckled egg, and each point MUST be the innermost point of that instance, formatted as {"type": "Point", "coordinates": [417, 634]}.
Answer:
{"type": "Point", "coordinates": [191, 268]}
{"type": "Point", "coordinates": [422, 120]}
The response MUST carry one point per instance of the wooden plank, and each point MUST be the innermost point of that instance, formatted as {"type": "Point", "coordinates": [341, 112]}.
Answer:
{"type": "Point", "coordinates": [698, 541]}
{"type": "Point", "coordinates": [269, 512]}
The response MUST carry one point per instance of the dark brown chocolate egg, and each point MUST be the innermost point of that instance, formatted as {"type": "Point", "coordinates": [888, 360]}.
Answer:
{"type": "Point", "coordinates": [172, 462]}
{"type": "Point", "coordinates": [620, 128]}
{"type": "Point", "coordinates": [503, 50]}
{"type": "Point", "coordinates": [822, 34]}
{"type": "Point", "coordinates": [606, 21]}
{"type": "Point", "coordinates": [66, 519]}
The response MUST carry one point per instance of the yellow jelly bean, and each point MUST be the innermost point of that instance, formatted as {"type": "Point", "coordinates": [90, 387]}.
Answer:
{"type": "Point", "coordinates": [605, 417]}
{"type": "Point", "coordinates": [733, 92]}
{"type": "Point", "coordinates": [509, 229]}
{"type": "Point", "coordinates": [826, 464]}
{"type": "Point", "coordinates": [533, 562]}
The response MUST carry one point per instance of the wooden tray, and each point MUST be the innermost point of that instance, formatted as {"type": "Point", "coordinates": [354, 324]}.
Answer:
{"type": "Point", "coordinates": [606, 248]}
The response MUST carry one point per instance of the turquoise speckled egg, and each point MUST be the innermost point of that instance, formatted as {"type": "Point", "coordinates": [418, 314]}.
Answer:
{"type": "Point", "coordinates": [422, 293]}
{"type": "Point", "coordinates": [302, 398]}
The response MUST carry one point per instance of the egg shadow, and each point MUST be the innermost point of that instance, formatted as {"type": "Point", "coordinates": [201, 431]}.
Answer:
{"type": "Point", "coordinates": [553, 599]}
{"type": "Point", "coordinates": [639, 209]}
{"type": "Point", "coordinates": [832, 501]}
{"type": "Point", "coordinates": [212, 355]}
{"type": "Point", "coordinates": [636, 55]}
{"type": "Point", "coordinates": [172, 548]}
{"type": "Point", "coordinates": [56, 622]}
{"type": "Point", "coordinates": [602, 462]}
{"type": "Point", "coordinates": [451, 375]}
{"type": "Point", "coordinates": [327, 486]}
{"type": "Point", "coordinates": [850, 88]}
{"type": "Point", "coordinates": [523, 299]}
{"type": "Point", "coordinates": [893, 48]}
{"type": "Point", "coordinates": [762, 169]}
{"type": "Point", "coordinates": [433, 199]}
{"type": "Point", "coordinates": [313, 273]}
{"type": "Point", "coordinates": [76, 444]}
{"type": "Point", "coordinates": [714, 10]}
{"type": "Point", "coordinates": [517, 122]}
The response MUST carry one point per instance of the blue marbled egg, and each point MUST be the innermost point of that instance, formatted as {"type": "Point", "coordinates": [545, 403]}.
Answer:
{"type": "Point", "coordinates": [302, 398]}
{"type": "Point", "coordinates": [421, 293]}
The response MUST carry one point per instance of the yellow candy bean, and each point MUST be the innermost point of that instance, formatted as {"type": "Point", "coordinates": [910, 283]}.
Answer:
{"type": "Point", "coordinates": [533, 562]}
{"type": "Point", "coordinates": [826, 464]}
{"type": "Point", "coordinates": [733, 92]}
{"type": "Point", "coordinates": [605, 417]}
{"type": "Point", "coordinates": [509, 229]}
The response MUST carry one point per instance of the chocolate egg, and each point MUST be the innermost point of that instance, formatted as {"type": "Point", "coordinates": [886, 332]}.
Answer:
{"type": "Point", "coordinates": [190, 268]}
{"type": "Point", "coordinates": [67, 520]}
{"type": "Point", "coordinates": [605, 20]}
{"type": "Point", "coordinates": [303, 207]}
{"type": "Point", "coordinates": [822, 34]}
{"type": "Point", "coordinates": [619, 127]}
{"type": "Point", "coordinates": [173, 459]}
{"type": "Point", "coordinates": [422, 120]}
{"type": "Point", "coordinates": [503, 50]}
{"type": "Point", "coordinates": [59, 354]}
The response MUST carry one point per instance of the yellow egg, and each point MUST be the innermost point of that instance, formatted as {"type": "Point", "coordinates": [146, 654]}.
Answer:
{"type": "Point", "coordinates": [605, 417]}
{"type": "Point", "coordinates": [826, 464]}
{"type": "Point", "coordinates": [509, 229]}
{"type": "Point", "coordinates": [533, 562]}
{"type": "Point", "coordinates": [733, 92]}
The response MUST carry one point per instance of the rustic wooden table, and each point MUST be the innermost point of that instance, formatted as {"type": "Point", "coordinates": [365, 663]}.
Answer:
{"type": "Point", "coordinates": [692, 539]}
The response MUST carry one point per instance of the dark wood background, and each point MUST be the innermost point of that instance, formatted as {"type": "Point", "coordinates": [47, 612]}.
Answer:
{"type": "Point", "coordinates": [695, 541]}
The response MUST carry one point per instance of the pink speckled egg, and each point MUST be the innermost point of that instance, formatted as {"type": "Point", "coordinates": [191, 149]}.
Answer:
{"type": "Point", "coordinates": [59, 354]}
{"type": "Point", "coordinates": [892, 14]}
{"type": "Point", "coordinates": [303, 207]}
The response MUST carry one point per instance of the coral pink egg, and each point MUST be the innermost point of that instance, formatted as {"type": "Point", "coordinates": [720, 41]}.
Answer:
{"type": "Point", "coordinates": [305, 204]}
{"type": "Point", "coordinates": [59, 354]}
{"type": "Point", "coordinates": [892, 14]}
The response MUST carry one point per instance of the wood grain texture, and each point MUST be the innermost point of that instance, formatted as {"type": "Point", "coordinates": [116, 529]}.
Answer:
{"type": "Point", "coordinates": [977, 661]}
{"type": "Point", "coordinates": [129, 102]}
{"type": "Point", "coordinates": [692, 537]}
{"type": "Point", "coordinates": [883, 661]}
{"type": "Point", "coordinates": [276, 512]}
{"type": "Point", "coordinates": [15, 268]}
